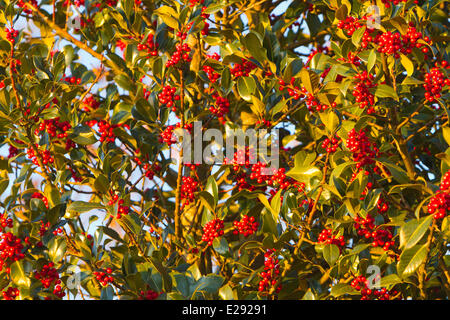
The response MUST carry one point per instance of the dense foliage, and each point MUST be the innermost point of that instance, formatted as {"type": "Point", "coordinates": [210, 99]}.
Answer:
{"type": "Point", "coordinates": [94, 206]}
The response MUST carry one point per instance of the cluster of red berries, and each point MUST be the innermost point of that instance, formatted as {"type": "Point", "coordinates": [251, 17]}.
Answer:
{"type": "Point", "coordinates": [188, 188]}
{"type": "Point", "coordinates": [45, 226]}
{"type": "Point", "coordinates": [168, 97]}
{"type": "Point", "coordinates": [241, 157]}
{"type": "Point", "coordinates": [14, 64]}
{"type": "Point", "coordinates": [150, 45]}
{"type": "Point", "coordinates": [148, 295]}
{"type": "Point", "coordinates": [89, 104]}
{"type": "Point", "coordinates": [363, 82]}
{"type": "Point", "coordinates": [280, 180]}
{"type": "Point", "coordinates": [393, 43]}
{"type": "Point", "coordinates": [220, 108]}
{"type": "Point", "coordinates": [72, 80]}
{"type": "Point", "coordinates": [121, 209]}
{"type": "Point", "coordinates": [210, 72]}
{"type": "Point", "coordinates": [292, 90]}
{"type": "Point", "coordinates": [445, 183]}
{"type": "Point", "coordinates": [379, 237]}
{"type": "Point", "coordinates": [352, 58]}
{"type": "Point", "coordinates": [103, 3]}
{"type": "Point", "coordinates": [242, 184]}
{"type": "Point", "coordinates": [205, 30]}
{"type": "Point", "coordinates": [242, 69]}
{"type": "Point", "coordinates": [350, 25]}
{"type": "Point", "coordinates": [313, 104]}
{"type": "Point", "coordinates": [388, 3]}
{"type": "Point", "coordinates": [271, 273]}
{"type": "Point", "coordinates": [105, 129]}
{"type": "Point", "coordinates": [193, 3]}
{"type": "Point", "coordinates": [44, 155]}
{"type": "Point", "coordinates": [211, 230]}
{"type": "Point", "coordinates": [435, 81]}
{"type": "Point", "coordinates": [246, 226]}
{"type": "Point", "coordinates": [48, 276]}
{"type": "Point", "coordinates": [382, 206]}
{"type": "Point", "coordinates": [439, 204]}
{"type": "Point", "coordinates": [360, 284]}
{"type": "Point", "coordinates": [326, 237]}
{"type": "Point", "coordinates": [258, 172]}
{"type": "Point", "coordinates": [13, 151]}
{"type": "Point", "coordinates": [10, 249]}
{"type": "Point", "coordinates": [150, 170]}
{"type": "Point", "coordinates": [56, 129]}
{"type": "Point", "coordinates": [77, 3]}
{"type": "Point", "coordinates": [364, 152]}
{"type": "Point", "coordinates": [104, 277]}
{"type": "Point", "coordinates": [22, 4]}
{"type": "Point", "coordinates": [38, 195]}
{"type": "Point", "coordinates": [11, 34]}
{"type": "Point", "coordinates": [331, 145]}
{"type": "Point", "coordinates": [167, 136]}
{"type": "Point", "coordinates": [5, 222]}
{"type": "Point", "coordinates": [264, 122]}
{"type": "Point", "coordinates": [10, 293]}
{"type": "Point", "coordinates": [181, 55]}
{"type": "Point", "coordinates": [121, 44]}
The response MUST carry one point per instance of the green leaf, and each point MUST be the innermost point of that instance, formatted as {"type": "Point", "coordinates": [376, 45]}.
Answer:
{"type": "Point", "coordinates": [412, 81]}
{"type": "Point", "coordinates": [304, 174]}
{"type": "Point", "coordinates": [266, 203]}
{"type": "Point", "coordinates": [77, 207]}
{"type": "Point", "coordinates": [83, 135]}
{"type": "Point", "coordinates": [341, 289]}
{"type": "Point", "coordinates": [221, 245]}
{"type": "Point", "coordinates": [411, 259]}
{"type": "Point", "coordinates": [398, 173]}
{"type": "Point", "coordinates": [209, 284]}
{"type": "Point", "coordinates": [372, 59]}
{"type": "Point", "coordinates": [18, 274]}
{"type": "Point", "coordinates": [330, 120]}
{"type": "Point", "coordinates": [207, 200]}
{"type": "Point", "coordinates": [56, 249]}
{"type": "Point", "coordinates": [276, 204]}
{"type": "Point", "coordinates": [111, 233]}
{"type": "Point", "coordinates": [407, 64]}
{"type": "Point", "coordinates": [254, 45]}
{"type": "Point", "coordinates": [211, 187]}
{"type": "Point", "coordinates": [310, 80]}
{"type": "Point", "coordinates": [385, 91]}
{"type": "Point", "coordinates": [168, 15]}
{"type": "Point", "coordinates": [52, 194]}
{"type": "Point", "coordinates": [107, 293]}
{"type": "Point", "coordinates": [101, 183]}
{"type": "Point", "coordinates": [124, 82]}
{"type": "Point", "coordinates": [246, 87]}
{"type": "Point", "coordinates": [226, 293]}
{"type": "Point", "coordinates": [390, 280]}
{"type": "Point", "coordinates": [357, 35]}
{"type": "Point", "coordinates": [342, 12]}
{"type": "Point", "coordinates": [413, 231]}
{"type": "Point", "coordinates": [331, 253]}
{"type": "Point", "coordinates": [446, 134]}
